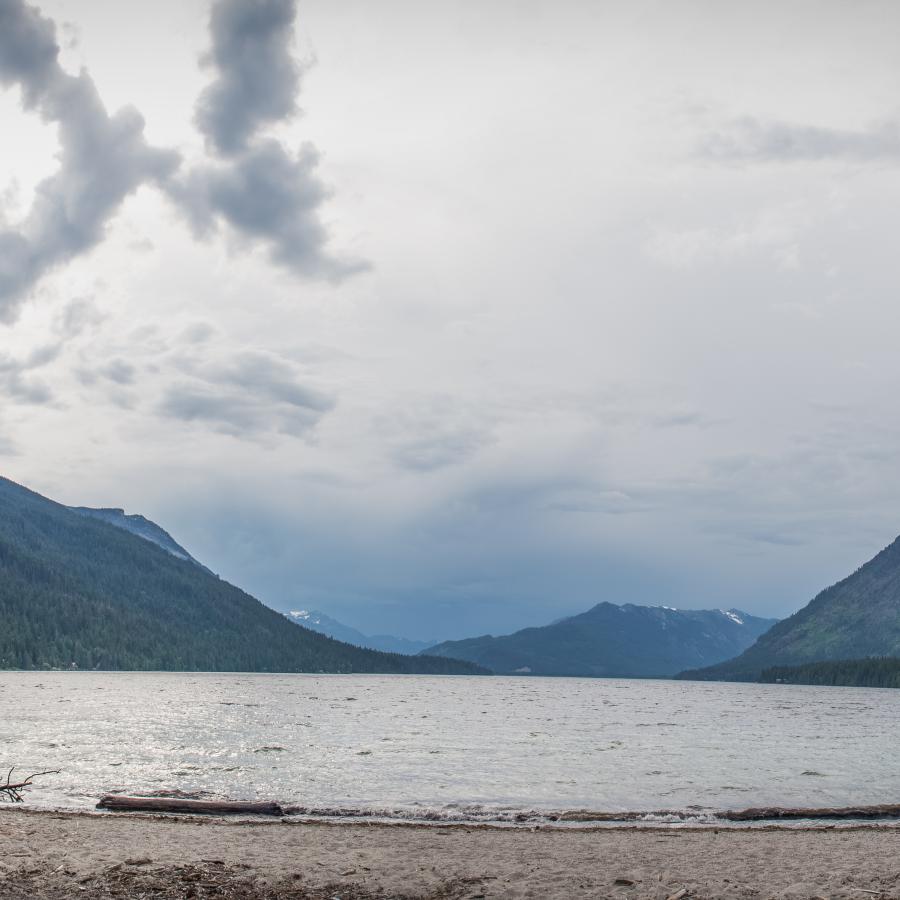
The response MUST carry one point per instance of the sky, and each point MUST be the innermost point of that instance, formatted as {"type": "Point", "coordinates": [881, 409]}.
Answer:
{"type": "Point", "coordinates": [452, 318]}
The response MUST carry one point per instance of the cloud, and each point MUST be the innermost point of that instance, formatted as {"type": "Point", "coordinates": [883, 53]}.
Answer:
{"type": "Point", "coordinates": [18, 384]}
{"type": "Point", "coordinates": [263, 191]}
{"type": "Point", "coordinates": [428, 433]}
{"type": "Point", "coordinates": [257, 78]}
{"type": "Point", "coordinates": [752, 140]}
{"type": "Point", "coordinates": [269, 195]}
{"type": "Point", "coordinates": [103, 158]}
{"type": "Point", "coordinates": [78, 316]}
{"type": "Point", "coordinates": [250, 394]}
{"type": "Point", "coordinates": [437, 451]}
{"type": "Point", "coordinates": [198, 332]}
{"type": "Point", "coordinates": [120, 371]}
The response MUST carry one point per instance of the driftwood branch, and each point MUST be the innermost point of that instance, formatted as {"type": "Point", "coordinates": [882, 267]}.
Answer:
{"type": "Point", "coordinates": [118, 803]}
{"type": "Point", "coordinates": [11, 791]}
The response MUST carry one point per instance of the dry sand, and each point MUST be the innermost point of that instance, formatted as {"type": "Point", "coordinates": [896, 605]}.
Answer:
{"type": "Point", "coordinates": [70, 855]}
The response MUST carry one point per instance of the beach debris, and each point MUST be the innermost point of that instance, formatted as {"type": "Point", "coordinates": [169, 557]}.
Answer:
{"type": "Point", "coordinates": [12, 791]}
{"type": "Point", "coordinates": [118, 803]}
{"type": "Point", "coordinates": [209, 881]}
{"type": "Point", "coordinates": [624, 882]}
{"type": "Point", "coordinates": [678, 895]}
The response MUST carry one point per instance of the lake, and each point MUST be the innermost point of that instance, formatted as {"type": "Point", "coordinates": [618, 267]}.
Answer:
{"type": "Point", "coordinates": [450, 747]}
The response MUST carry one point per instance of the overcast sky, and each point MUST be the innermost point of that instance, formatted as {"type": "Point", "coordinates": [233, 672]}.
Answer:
{"type": "Point", "coordinates": [448, 318]}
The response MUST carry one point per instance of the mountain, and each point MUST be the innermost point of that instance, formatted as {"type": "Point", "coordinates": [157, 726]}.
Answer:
{"type": "Point", "coordinates": [855, 618]}
{"type": "Point", "coordinates": [615, 641]}
{"type": "Point", "coordinates": [389, 643]}
{"type": "Point", "coordinates": [140, 526]}
{"type": "Point", "coordinates": [77, 591]}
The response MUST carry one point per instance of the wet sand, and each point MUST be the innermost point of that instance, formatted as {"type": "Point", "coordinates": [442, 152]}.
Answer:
{"type": "Point", "coordinates": [57, 855]}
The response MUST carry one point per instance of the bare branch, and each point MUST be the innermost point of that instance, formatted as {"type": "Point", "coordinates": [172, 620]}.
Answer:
{"type": "Point", "coordinates": [12, 791]}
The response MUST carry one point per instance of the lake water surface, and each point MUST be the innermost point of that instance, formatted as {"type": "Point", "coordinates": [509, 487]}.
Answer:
{"type": "Point", "coordinates": [451, 747]}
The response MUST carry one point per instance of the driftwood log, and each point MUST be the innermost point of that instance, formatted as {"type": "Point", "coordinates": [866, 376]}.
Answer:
{"type": "Point", "coordinates": [753, 814]}
{"type": "Point", "coordinates": [836, 812]}
{"type": "Point", "coordinates": [117, 803]}
{"type": "Point", "coordinates": [12, 790]}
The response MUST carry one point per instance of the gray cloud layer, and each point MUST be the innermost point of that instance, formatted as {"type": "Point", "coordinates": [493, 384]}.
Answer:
{"type": "Point", "coordinates": [750, 139]}
{"type": "Point", "coordinates": [103, 158]}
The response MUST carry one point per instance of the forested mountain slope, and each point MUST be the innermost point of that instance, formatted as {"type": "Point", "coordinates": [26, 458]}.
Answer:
{"type": "Point", "coordinates": [78, 592]}
{"type": "Point", "coordinates": [853, 619]}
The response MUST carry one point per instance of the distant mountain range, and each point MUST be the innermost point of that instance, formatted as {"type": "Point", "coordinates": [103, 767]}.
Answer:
{"type": "Point", "coordinates": [615, 641]}
{"type": "Point", "coordinates": [855, 618]}
{"type": "Point", "coordinates": [96, 588]}
{"type": "Point", "coordinates": [389, 643]}
{"type": "Point", "coordinates": [99, 590]}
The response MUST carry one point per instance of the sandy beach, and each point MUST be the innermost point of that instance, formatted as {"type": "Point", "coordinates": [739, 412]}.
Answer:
{"type": "Point", "coordinates": [58, 855]}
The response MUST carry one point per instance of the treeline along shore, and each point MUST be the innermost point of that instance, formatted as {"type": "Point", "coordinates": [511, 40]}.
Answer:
{"type": "Point", "coordinates": [879, 672]}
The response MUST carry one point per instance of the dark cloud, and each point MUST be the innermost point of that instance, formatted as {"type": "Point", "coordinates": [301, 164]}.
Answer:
{"type": "Point", "coordinates": [257, 77]}
{"type": "Point", "coordinates": [263, 191]}
{"type": "Point", "coordinates": [749, 139]}
{"type": "Point", "coordinates": [269, 195]}
{"type": "Point", "coordinates": [102, 158]}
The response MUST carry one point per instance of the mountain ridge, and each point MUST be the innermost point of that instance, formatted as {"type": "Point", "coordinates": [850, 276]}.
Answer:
{"type": "Point", "coordinates": [610, 640]}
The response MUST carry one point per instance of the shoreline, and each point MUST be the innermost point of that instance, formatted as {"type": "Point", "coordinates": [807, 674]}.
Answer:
{"type": "Point", "coordinates": [881, 815]}
{"type": "Point", "coordinates": [54, 854]}
{"type": "Point", "coordinates": [562, 825]}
